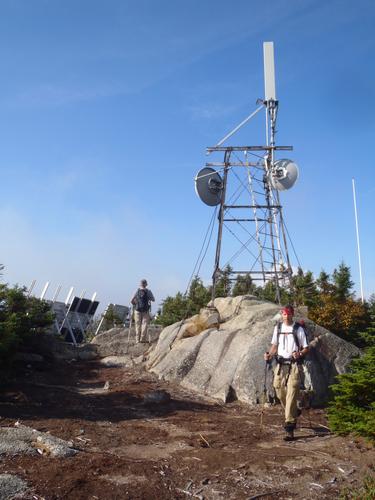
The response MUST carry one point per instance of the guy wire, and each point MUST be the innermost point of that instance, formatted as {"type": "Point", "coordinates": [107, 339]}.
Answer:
{"type": "Point", "coordinates": [197, 267]}
{"type": "Point", "coordinates": [291, 242]}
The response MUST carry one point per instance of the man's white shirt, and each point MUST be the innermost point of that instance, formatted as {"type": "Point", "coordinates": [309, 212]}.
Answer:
{"type": "Point", "coordinates": [287, 344]}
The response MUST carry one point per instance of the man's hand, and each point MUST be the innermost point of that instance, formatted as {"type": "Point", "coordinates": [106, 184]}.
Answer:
{"type": "Point", "coordinates": [297, 355]}
{"type": "Point", "coordinates": [267, 356]}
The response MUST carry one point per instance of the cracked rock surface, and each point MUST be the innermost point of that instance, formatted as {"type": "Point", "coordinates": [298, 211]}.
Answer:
{"type": "Point", "coordinates": [226, 362]}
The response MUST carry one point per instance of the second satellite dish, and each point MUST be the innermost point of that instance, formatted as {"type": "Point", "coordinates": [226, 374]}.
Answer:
{"type": "Point", "coordinates": [284, 175]}
{"type": "Point", "coordinates": [209, 186]}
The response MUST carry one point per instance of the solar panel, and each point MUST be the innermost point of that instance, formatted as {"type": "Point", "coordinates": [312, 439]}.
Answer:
{"type": "Point", "coordinates": [93, 308]}
{"type": "Point", "coordinates": [120, 311]}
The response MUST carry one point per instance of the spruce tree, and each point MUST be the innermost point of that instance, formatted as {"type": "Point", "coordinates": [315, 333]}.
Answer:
{"type": "Point", "coordinates": [243, 286]}
{"type": "Point", "coordinates": [371, 306]}
{"type": "Point", "coordinates": [268, 292]}
{"type": "Point", "coordinates": [20, 317]}
{"type": "Point", "coordinates": [324, 283]}
{"type": "Point", "coordinates": [198, 296]}
{"type": "Point", "coordinates": [173, 309]}
{"type": "Point", "coordinates": [223, 284]}
{"type": "Point", "coordinates": [305, 292]}
{"type": "Point", "coordinates": [353, 408]}
{"type": "Point", "coordinates": [343, 283]}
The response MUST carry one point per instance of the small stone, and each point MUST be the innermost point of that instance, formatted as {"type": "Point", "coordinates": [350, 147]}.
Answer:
{"type": "Point", "coordinates": [157, 397]}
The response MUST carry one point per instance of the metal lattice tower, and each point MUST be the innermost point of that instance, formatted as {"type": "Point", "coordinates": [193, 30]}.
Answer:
{"type": "Point", "coordinates": [251, 236]}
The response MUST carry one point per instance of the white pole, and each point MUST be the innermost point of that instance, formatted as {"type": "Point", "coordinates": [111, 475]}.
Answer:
{"type": "Point", "coordinates": [58, 289]}
{"type": "Point", "coordinates": [44, 290]}
{"type": "Point", "coordinates": [70, 293]}
{"type": "Point", "coordinates": [358, 247]}
{"type": "Point", "coordinates": [31, 288]}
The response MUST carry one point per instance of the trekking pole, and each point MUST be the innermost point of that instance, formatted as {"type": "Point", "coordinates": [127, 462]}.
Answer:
{"type": "Point", "coordinates": [130, 326]}
{"type": "Point", "coordinates": [264, 394]}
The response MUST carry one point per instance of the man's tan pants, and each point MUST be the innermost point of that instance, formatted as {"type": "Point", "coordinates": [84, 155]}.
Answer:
{"type": "Point", "coordinates": [286, 383]}
{"type": "Point", "coordinates": [141, 320]}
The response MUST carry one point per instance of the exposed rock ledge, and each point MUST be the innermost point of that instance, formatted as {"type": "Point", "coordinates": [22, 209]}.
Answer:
{"type": "Point", "coordinates": [221, 355]}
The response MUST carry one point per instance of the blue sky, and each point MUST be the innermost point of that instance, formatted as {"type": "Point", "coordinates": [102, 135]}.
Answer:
{"type": "Point", "coordinates": [106, 109]}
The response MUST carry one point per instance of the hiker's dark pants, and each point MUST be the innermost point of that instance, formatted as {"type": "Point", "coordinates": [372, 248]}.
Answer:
{"type": "Point", "coordinates": [286, 384]}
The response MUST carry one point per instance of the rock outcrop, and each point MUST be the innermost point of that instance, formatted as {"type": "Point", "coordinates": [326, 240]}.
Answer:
{"type": "Point", "coordinates": [224, 360]}
{"type": "Point", "coordinates": [116, 347]}
{"type": "Point", "coordinates": [50, 347]}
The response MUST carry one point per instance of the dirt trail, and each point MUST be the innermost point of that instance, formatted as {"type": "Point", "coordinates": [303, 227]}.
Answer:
{"type": "Point", "coordinates": [186, 448]}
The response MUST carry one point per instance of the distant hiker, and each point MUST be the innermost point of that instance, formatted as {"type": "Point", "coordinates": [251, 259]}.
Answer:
{"type": "Point", "coordinates": [142, 304]}
{"type": "Point", "coordinates": [288, 346]}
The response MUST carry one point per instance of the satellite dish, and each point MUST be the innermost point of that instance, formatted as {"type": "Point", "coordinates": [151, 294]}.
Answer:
{"type": "Point", "coordinates": [284, 175]}
{"type": "Point", "coordinates": [209, 186]}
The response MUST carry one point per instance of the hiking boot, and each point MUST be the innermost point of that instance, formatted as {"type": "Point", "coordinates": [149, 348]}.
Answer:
{"type": "Point", "coordinates": [289, 432]}
{"type": "Point", "coordinates": [289, 436]}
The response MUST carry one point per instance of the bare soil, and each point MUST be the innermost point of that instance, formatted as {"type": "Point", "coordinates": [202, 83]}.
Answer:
{"type": "Point", "coordinates": [188, 447]}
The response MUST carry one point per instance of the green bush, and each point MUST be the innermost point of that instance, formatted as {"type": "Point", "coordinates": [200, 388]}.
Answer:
{"type": "Point", "coordinates": [364, 492]}
{"type": "Point", "coordinates": [20, 317]}
{"type": "Point", "coordinates": [181, 306]}
{"type": "Point", "coordinates": [173, 309]}
{"type": "Point", "coordinates": [352, 409]}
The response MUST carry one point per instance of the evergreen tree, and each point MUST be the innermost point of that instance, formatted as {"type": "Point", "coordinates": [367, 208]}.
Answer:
{"type": "Point", "coordinates": [198, 296]}
{"type": "Point", "coordinates": [342, 282]}
{"type": "Point", "coordinates": [268, 292]}
{"type": "Point", "coordinates": [243, 286]}
{"type": "Point", "coordinates": [353, 407]}
{"type": "Point", "coordinates": [366, 338]}
{"type": "Point", "coordinates": [180, 307]}
{"type": "Point", "coordinates": [111, 319]}
{"type": "Point", "coordinates": [305, 291]}
{"type": "Point", "coordinates": [173, 309]}
{"type": "Point", "coordinates": [223, 284]}
{"type": "Point", "coordinates": [371, 306]}
{"type": "Point", "coordinates": [20, 317]}
{"type": "Point", "coordinates": [324, 284]}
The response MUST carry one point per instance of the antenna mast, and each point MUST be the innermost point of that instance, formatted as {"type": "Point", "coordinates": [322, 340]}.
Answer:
{"type": "Point", "coordinates": [248, 195]}
{"type": "Point", "coordinates": [358, 245]}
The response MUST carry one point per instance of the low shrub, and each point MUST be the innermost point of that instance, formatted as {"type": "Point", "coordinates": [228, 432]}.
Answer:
{"type": "Point", "coordinates": [352, 409]}
{"type": "Point", "coordinates": [20, 317]}
{"type": "Point", "coordinates": [365, 492]}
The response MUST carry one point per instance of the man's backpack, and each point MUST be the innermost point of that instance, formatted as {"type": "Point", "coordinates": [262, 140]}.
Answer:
{"type": "Point", "coordinates": [305, 377]}
{"type": "Point", "coordinates": [142, 302]}
{"type": "Point", "coordinates": [294, 332]}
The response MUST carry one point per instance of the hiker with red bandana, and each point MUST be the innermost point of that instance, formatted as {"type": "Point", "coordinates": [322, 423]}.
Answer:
{"type": "Point", "coordinates": [288, 346]}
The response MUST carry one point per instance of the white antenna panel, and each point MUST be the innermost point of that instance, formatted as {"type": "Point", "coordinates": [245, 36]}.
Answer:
{"type": "Point", "coordinates": [269, 72]}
